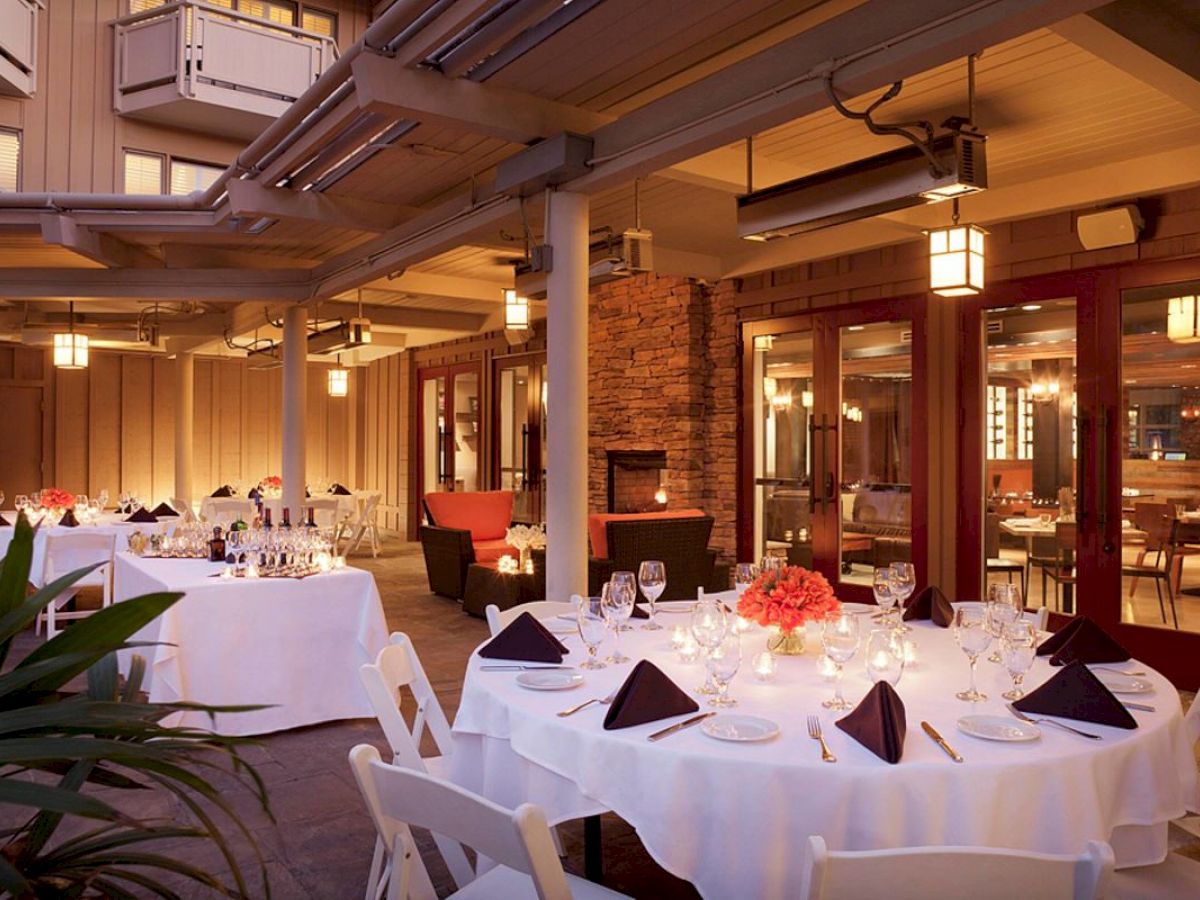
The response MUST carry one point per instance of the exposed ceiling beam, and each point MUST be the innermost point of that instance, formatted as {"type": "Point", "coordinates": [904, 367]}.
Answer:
{"type": "Point", "coordinates": [203, 256]}
{"type": "Point", "coordinates": [408, 317]}
{"type": "Point", "coordinates": [442, 28]}
{"type": "Point", "coordinates": [251, 199]}
{"type": "Point", "coordinates": [119, 220]}
{"type": "Point", "coordinates": [725, 170]}
{"type": "Point", "coordinates": [414, 281]}
{"type": "Point", "coordinates": [1131, 57]}
{"type": "Point", "coordinates": [219, 285]}
{"type": "Point", "coordinates": [65, 231]}
{"type": "Point", "coordinates": [386, 85]}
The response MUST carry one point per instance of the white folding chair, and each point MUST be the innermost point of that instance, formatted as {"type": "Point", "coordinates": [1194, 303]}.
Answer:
{"type": "Point", "coordinates": [517, 840]}
{"type": "Point", "coordinates": [64, 554]}
{"type": "Point", "coordinates": [184, 508]}
{"type": "Point", "coordinates": [396, 667]}
{"type": "Point", "coordinates": [499, 619]}
{"type": "Point", "coordinates": [981, 873]}
{"type": "Point", "coordinates": [225, 510]}
{"type": "Point", "coordinates": [325, 510]}
{"type": "Point", "coordinates": [366, 526]}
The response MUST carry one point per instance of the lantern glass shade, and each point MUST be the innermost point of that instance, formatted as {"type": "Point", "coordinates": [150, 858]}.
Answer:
{"type": "Point", "coordinates": [1183, 320]}
{"type": "Point", "coordinates": [70, 351]}
{"type": "Point", "coordinates": [770, 387]}
{"type": "Point", "coordinates": [806, 399]}
{"type": "Point", "coordinates": [516, 310]}
{"type": "Point", "coordinates": [339, 382]}
{"type": "Point", "coordinates": [956, 260]}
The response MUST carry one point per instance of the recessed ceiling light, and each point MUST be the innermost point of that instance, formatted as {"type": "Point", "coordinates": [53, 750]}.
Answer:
{"type": "Point", "coordinates": [1031, 307]}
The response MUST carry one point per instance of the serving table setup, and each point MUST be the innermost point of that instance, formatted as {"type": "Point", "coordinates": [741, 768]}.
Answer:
{"type": "Point", "coordinates": [724, 790]}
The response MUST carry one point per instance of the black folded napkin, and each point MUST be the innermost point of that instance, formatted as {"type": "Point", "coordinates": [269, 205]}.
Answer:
{"type": "Point", "coordinates": [525, 639]}
{"type": "Point", "coordinates": [647, 696]}
{"type": "Point", "coordinates": [1089, 643]}
{"type": "Point", "coordinates": [68, 520]}
{"type": "Point", "coordinates": [163, 510]}
{"type": "Point", "coordinates": [931, 604]}
{"type": "Point", "coordinates": [638, 612]}
{"type": "Point", "coordinates": [254, 493]}
{"type": "Point", "coordinates": [142, 515]}
{"type": "Point", "coordinates": [878, 722]}
{"type": "Point", "coordinates": [222, 491]}
{"type": "Point", "coordinates": [1076, 693]}
{"type": "Point", "coordinates": [4, 521]}
{"type": "Point", "coordinates": [340, 490]}
{"type": "Point", "coordinates": [1054, 643]}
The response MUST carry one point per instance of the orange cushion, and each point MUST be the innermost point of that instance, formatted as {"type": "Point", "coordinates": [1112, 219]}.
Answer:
{"type": "Point", "coordinates": [490, 551]}
{"type": "Point", "coordinates": [598, 525]}
{"type": "Point", "coordinates": [486, 514]}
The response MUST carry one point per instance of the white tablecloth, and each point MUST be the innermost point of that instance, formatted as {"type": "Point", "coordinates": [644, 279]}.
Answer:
{"type": "Point", "coordinates": [732, 818]}
{"type": "Point", "coordinates": [347, 505]}
{"type": "Point", "coordinates": [295, 643]}
{"type": "Point", "coordinates": [108, 523]}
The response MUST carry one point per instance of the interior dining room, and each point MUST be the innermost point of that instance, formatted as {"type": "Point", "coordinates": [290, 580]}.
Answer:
{"type": "Point", "coordinates": [595, 448]}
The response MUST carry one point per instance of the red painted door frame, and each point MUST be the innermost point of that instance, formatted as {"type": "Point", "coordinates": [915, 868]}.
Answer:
{"type": "Point", "coordinates": [445, 448]}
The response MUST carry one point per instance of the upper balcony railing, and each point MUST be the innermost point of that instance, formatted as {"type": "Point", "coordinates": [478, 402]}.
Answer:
{"type": "Point", "coordinates": [18, 46]}
{"type": "Point", "coordinates": [212, 69]}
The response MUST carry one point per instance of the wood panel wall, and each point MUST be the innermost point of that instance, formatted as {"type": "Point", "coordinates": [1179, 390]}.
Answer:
{"type": "Point", "coordinates": [386, 461]}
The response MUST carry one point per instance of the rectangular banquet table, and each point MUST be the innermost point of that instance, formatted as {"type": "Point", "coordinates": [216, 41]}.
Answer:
{"type": "Point", "coordinates": [733, 818]}
{"type": "Point", "coordinates": [293, 643]}
{"type": "Point", "coordinates": [108, 523]}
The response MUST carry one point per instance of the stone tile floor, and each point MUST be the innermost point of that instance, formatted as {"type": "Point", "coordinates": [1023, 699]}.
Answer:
{"type": "Point", "coordinates": [319, 845]}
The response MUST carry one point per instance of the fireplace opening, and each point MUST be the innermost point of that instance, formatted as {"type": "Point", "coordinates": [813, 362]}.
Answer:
{"type": "Point", "coordinates": [637, 481]}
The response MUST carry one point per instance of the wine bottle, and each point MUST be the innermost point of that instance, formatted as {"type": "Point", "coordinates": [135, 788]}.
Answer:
{"type": "Point", "coordinates": [267, 518]}
{"type": "Point", "coordinates": [312, 521]}
{"type": "Point", "coordinates": [287, 518]}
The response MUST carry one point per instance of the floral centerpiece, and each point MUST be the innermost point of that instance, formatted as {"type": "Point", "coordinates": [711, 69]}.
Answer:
{"type": "Point", "coordinates": [57, 499]}
{"type": "Point", "coordinates": [783, 600]}
{"type": "Point", "coordinates": [525, 538]}
{"type": "Point", "coordinates": [271, 486]}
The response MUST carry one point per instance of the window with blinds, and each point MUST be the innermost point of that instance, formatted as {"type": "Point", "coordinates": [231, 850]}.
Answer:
{"type": "Point", "coordinates": [319, 22]}
{"type": "Point", "coordinates": [271, 10]}
{"type": "Point", "coordinates": [191, 176]}
{"type": "Point", "coordinates": [10, 160]}
{"type": "Point", "coordinates": [143, 172]}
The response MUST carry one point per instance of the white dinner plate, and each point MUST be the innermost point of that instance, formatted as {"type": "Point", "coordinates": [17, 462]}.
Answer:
{"type": "Point", "coordinates": [549, 680]}
{"type": "Point", "coordinates": [560, 625]}
{"type": "Point", "coordinates": [732, 727]}
{"type": "Point", "coordinates": [859, 609]}
{"type": "Point", "coordinates": [1122, 684]}
{"type": "Point", "coordinates": [669, 606]}
{"type": "Point", "coordinates": [998, 728]}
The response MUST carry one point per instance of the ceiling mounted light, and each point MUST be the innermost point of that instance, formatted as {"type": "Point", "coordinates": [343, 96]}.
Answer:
{"type": "Point", "coordinates": [764, 343]}
{"type": "Point", "coordinates": [339, 380]}
{"type": "Point", "coordinates": [71, 349]}
{"type": "Point", "coordinates": [956, 259]}
{"type": "Point", "coordinates": [770, 387]}
{"type": "Point", "coordinates": [516, 310]}
{"type": "Point", "coordinates": [360, 326]}
{"type": "Point", "coordinates": [1183, 320]}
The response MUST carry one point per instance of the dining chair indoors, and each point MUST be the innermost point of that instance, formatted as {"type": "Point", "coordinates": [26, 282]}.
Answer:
{"type": "Point", "coordinates": [66, 553]}
{"type": "Point", "coordinates": [518, 841]}
{"type": "Point", "coordinates": [981, 873]}
{"type": "Point", "coordinates": [498, 619]}
{"type": "Point", "coordinates": [184, 508]}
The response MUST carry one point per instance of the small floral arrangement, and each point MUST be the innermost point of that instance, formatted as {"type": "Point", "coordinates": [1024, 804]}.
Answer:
{"type": "Point", "coordinates": [787, 598]}
{"type": "Point", "coordinates": [271, 486]}
{"type": "Point", "coordinates": [57, 498]}
{"type": "Point", "coordinates": [526, 537]}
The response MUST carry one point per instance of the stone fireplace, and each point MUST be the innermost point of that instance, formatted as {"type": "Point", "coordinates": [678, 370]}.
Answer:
{"type": "Point", "coordinates": [634, 480]}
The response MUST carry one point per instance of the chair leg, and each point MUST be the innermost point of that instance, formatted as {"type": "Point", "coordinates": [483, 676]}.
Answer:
{"type": "Point", "coordinates": [1162, 609]}
{"type": "Point", "coordinates": [373, 878]}
{"type": "Point", "coordinates": [1134, 581]}
{"type": "Point", "coordinates": [1171, 597]}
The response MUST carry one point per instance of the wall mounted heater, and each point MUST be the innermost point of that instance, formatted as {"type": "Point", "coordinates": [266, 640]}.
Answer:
{"type": "Point", "coordinates": [865, 188]}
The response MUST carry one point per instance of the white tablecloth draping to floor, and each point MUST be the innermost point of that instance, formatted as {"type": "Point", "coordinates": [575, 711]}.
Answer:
{"type": "Point", "coordinates": [732, 818]}
{"type": "Point", "coordinates": [294, 643]}
{"type": "Point", "coordinates": [107, 523]}
{"type": "Point", "coordinates": [347, 505]}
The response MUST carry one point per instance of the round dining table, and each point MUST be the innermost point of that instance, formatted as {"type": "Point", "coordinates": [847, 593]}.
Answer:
{"type": "Point", "coordinates": [733, 818]}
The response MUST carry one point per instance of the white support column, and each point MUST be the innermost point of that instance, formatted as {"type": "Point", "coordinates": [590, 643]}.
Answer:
{"type": "Point", "coordinates": [295, 406]}
{"type": "Point", "coordinates": [185, 380]}
{"type": "Point", "coordinates": [567, 400]}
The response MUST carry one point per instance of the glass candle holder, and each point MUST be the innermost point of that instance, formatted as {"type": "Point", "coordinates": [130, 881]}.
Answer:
{"type": "Point", "coordinates": [679, 637]}
{"type": "Point", "coordinates": [910, 654]}
{"type": "Point", "coordinates": [689, 650]}
{"type": "Point", "coordinates": [884, 657]}
{"type": "Point", "coordinates": [764, 667]}
{"type": "Point", "coordinates": [827, 668]}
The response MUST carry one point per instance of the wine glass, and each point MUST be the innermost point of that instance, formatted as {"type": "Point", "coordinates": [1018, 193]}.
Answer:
{"type": "Point", "coordinates": [1018, 647]}
{"type": "Point", "coordinates": [593, 624]}
{"type": "Point", "coordinates": [885, 593]}
{"type": "Point", "coordinates": [723, 662]}
{"type": "Point", "coordinates": [617, 602]}
{"type": "Point", "coordinates": [1, 499]}
{"type": "Point", "coordinates": [771, 563]}
{"type": "Point", "coordinates": [904, 582]}
{"type": "Point", "coordinates": [36, 498]}
{"type": "Point", "coordinates": [884, 656]}
{"type": "Point", "coordinates": [652, 579]}
{"type": "Point", "coordinates": [840, 638]}
{"type": "Point", "coordinates": [103, 498]}
{"type": "Point", "coordinates": [1003, 607]}
{"type": "Point", "coordinates": [971, 632]}
{"type": "Point", "coordinates": [743, 576]}
{"type": "Point", "coordinates": [629, 580]}
{"type": "Point", "coordinates": [21, 503]}
{"type": "Point", "coordinates": [709, 625]}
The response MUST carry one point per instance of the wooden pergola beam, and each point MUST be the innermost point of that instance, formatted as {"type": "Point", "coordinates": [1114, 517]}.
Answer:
{"type": "Point", "coordinates": [217, 285]}
{"type": "Point", "coordinates": [251, 199]}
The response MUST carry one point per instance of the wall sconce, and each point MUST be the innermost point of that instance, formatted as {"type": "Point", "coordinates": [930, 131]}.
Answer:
{"type": "Point", "coordinates": [806, 399]}
{"type": "Point", "coordinates": [956, 259]}
{"type": "Point", "coordinates": [71, 349]}
{"type": "Point", "coordinates": [764, 342]}
{"type": "Point", "coordinates": [516, 310]}
{"type": "Point", "coordinates": [770, 388]}
{"type": "Point", "coordinates": [781, 402]}
{"type": "Point", "coordinates": [1183, 320]}
{"type": "Point", "coordinates": [852, 411]}
{"type": "Point", "coordinates": [339, 380]}
{"type": "Point", "coordinates": [1044, 391]}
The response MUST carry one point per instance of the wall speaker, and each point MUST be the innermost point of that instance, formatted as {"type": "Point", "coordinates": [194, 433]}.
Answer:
{"type": "Point", "coordinates": [1109, 227]}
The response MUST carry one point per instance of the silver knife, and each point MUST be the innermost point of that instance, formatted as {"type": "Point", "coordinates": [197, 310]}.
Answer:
{"type": "Point", "coordinates": [941, 742]}
{"type": "Point", "coordinates": [1144, 707]}
{"type": "Point", "coordinates": [514, 668]}
{"type": "Point", "coordinates": [679, 726]}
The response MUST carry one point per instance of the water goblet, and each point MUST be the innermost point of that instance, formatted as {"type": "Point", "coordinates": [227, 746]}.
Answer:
{"type": "Point", "coordinates": [904, 583]}
{"type": "Point", "coordinates": [723, 662]}
{"type": "Point", "coordinates": [21, 502]}
{"type": "Point", "coordinates": [885, 593]}
{"type": "Point", "coordinates": [884, 654]}
{"type": "Point", "coordinates": [743, 576]}
{"type": "Point", "coordinates": [1, 499]}
{"type": "Point", "coordinates": [1002, 607]}
{"type": "Point", "coordinates": [617, 602]}
{"type": "Point", "coordinates": [1018, 647]}
{"type": "Point", "coordinates": [709, 625]}
{"type": "Point", "coordinates": [103, 496]}
{"type": "Point", "coordinates": [628, 579]}
{"type": "Point", "coordinates": [840, 638]}
{"type": "Point", "coordinates": [971, 632]}
{"type": "Point", "coordinates": [36, 498]}
{"type": "Point", "coordinates": [652, 579]}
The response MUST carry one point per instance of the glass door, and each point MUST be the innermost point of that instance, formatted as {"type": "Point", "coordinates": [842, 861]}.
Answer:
{"type": "Point", "coordinates": [448, 426]}
{"type": "Point", "coordinates": [519, 385]}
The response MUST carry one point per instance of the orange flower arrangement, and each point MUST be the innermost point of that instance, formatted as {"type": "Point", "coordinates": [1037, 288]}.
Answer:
{"type": "Point", "coordinates": [787, 598]}
{"type": "Point", "coordinates": [57, 498]}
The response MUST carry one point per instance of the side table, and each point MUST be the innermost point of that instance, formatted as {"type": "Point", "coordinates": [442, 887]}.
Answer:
{"type": "Point", "coordinates": [486, 584]}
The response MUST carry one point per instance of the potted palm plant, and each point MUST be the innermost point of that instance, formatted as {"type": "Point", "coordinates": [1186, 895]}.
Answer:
{"type": "Point", "coordinates": [57, 746]}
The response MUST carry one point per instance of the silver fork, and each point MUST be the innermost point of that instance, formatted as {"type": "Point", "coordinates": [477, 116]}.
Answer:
{"type": "Point", "coordinates": [1020, 715]}
{"type": "Point", "coordinates": [814, 732]}
{"type": "Point", "coordinates": [1119, 671]}
{"type": "Point", "coordinates": [603, 701]}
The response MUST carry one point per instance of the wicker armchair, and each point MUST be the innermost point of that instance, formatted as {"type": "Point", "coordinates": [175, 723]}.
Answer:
{"type": "Point", "coordinates": [463, 527]}
{"type": "Point", "coordinates": [681, 544]}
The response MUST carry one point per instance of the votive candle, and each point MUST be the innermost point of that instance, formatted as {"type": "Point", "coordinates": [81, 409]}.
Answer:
{"type": "Point", "coordinates": [764, 666]}
{"type": "Point", "coordinates": [227, 572]}
{"type": "Point", "coordinates": [689, 650]}
{"type": "Point", "coordinates": [827, 668]}
{"type": "Point", "coordinates": [679, 637]}
{"type": "Point", "coordinates": [339, 562]}
{"type": "Point", "coordinates": [740, 625]}
{"type": "Point", "coordinates": [910, 654]}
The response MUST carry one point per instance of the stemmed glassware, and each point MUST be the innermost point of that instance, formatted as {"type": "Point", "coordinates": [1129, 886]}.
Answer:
{"type": "Point", "coordinates": [885, 593]}
{"type": "Point", "coordinates": [593, 624]}
{"type": "Point", "coordinates": [884, 656]}
{"type": "Point", "coordinates": [626, 580]}
{"type": "Point", "coordinates": [723, 662]}
{"type": "Point", "coordinates": [652, 579]}
{"type": "Point", "coordinates": [103, 496]}
{"type": "Point", "coordinates": [1018, 647]}
{"type": "Point", "coordinates": [971, 632]}
{"type": "Point", "coordinates": [743, 576]}
{"type": "Point", "coordinates": [617, 601]}
{"type": "Point", "coordinates": [840, 638]}
{"type": "Point", "coordinates": [904, 582]}
{"type": "Point", "coordinates": [1003, 607]}
{"type": "Point", "coordinates": [710, 623]}
{"type": "Point", "coordinates": [1, 499]}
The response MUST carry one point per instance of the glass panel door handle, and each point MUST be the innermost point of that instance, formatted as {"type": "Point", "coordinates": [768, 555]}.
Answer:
{"type": "Point", "coordinates": [830, 481]}
{"type": "Point", "coordinates": [813, 428]}
{"type": "Point", "coordinates": [1102, 479]}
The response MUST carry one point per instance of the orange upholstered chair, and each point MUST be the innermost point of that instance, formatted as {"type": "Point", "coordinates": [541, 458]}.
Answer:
{"type": "Point", "coordinates": [464, 527]}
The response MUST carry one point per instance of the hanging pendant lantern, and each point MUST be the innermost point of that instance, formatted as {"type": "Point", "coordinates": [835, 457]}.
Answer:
{"type": "Point", "coordinates": [1183, 320]}
{"type": "Point", "coordinates": [516, 310]}
{"type": "Point", "coordinates": [339, 380]}
{"type": "Point", "coordinates": [71, 349]}
{"type": "Point", "coordinates": [956, 259]}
